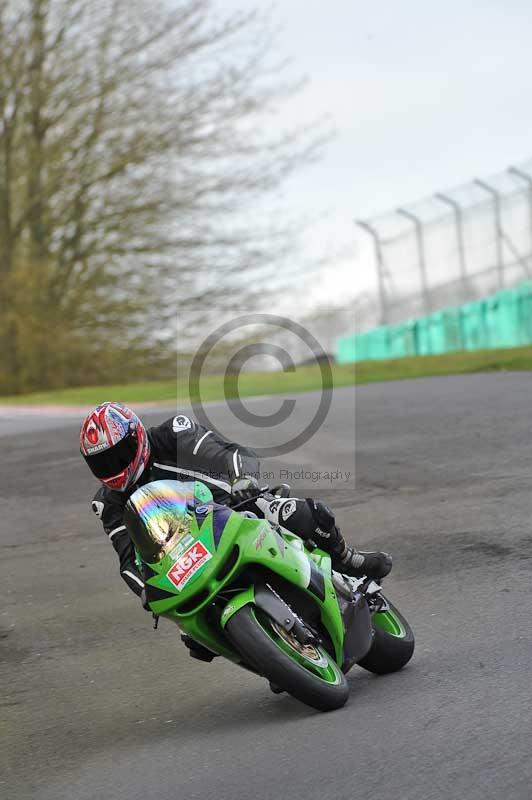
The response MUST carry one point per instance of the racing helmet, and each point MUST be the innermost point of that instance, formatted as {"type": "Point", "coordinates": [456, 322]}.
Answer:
{"type": "Point", "coordinates": [114, 443]}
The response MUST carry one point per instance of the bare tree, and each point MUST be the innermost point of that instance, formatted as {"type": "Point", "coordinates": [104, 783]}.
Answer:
{"type": "Point", "coordinates": [135, 145]}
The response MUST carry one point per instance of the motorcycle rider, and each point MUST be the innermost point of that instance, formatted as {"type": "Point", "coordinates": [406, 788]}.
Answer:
{"type": "Point", "coordinates": [123, 455]}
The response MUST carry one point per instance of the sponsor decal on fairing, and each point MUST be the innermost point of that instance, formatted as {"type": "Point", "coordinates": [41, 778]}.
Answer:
{"type": "Point", "coordinates": [195, 557]}
{"type": "Point", "coordinates": [259, 541]}
{"type": "Point", "coordinates": [181, 546]}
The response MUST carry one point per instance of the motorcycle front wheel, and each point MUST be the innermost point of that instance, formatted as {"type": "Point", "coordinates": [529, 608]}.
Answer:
{"type": "Point", "coordinates": [307, 672]}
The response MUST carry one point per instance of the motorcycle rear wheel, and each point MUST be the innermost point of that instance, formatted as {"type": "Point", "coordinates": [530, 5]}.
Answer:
{"type": "Point", "coordinates": [307, 672]}
{"type": "Point", "coordinates": [393, 642]}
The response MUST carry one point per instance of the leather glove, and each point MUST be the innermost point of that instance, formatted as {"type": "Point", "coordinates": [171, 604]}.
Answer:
{"type": "Point", "coordinates": [244, 490]}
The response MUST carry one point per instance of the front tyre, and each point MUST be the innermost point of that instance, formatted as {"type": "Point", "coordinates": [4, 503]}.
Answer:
{"type": "Point", "coordinates": [393, 642]}
{"type": "Point", "coordinates": [307, 672]}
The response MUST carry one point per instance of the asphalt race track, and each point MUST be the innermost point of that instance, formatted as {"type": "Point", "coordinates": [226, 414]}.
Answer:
{"type": "Point", "coordinates": [96, 705]}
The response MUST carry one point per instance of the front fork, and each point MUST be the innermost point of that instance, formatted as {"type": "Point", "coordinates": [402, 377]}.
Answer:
{"type": "Point", "coordinates": [267, 599]}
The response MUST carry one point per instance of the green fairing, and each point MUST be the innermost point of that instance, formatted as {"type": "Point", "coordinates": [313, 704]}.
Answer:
{"type": "Point", "coordinates": [202, 493]}
{"type": "Point", "coordinates": [258, 543]}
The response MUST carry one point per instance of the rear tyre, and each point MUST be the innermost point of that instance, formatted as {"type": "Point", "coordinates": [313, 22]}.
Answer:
{"type": "Point", "coordinates": [393, 643]}
{"type": "Point", "coordinates": [308, 673]}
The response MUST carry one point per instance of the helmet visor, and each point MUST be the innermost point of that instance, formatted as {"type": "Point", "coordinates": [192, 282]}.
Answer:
{"type": "Point", "coordinates": [113, 460]}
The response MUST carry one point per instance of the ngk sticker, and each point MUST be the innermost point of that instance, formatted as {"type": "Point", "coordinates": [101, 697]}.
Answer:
{"type": "Point", "coordinates": [192, 559]}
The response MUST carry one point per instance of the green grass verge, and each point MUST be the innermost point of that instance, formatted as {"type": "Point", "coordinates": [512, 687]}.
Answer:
{"type": "Point", "coordinates": [304, 379]}
{"type": "Point", "coordinates": [517, 359]}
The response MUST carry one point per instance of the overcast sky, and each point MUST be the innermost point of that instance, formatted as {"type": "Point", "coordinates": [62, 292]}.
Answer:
{"type": "Point", "coordinates": [423, 96]}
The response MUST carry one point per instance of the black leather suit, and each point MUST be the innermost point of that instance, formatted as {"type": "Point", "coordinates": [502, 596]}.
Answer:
{"type": "Point", "coordinates": [183, 450]}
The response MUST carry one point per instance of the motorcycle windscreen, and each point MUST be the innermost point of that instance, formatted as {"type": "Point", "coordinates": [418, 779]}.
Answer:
{"type": "Point", "coordinates": [157, 517]}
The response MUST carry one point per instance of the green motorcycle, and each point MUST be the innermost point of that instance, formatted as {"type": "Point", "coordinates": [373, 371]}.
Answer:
{"type": "Point", "coordinates": [260, 596]}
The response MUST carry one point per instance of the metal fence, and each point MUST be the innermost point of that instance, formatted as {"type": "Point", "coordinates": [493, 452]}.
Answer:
{"type": "Point", "coordinates": [457, 246]}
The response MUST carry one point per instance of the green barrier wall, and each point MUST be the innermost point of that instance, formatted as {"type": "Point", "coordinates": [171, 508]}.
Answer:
{"type": "Point", "coordinates": [502, 320]}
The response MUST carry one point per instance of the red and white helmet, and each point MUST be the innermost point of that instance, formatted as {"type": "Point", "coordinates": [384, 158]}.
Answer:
{"type": "Point", "coordinates": [114, 443]}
